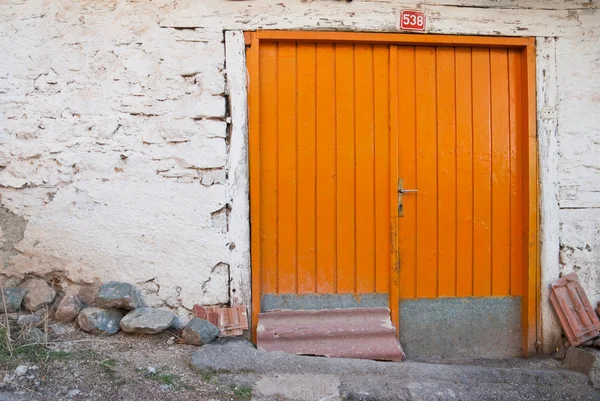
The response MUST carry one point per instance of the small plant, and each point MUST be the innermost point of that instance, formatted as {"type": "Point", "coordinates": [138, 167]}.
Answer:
{"type": "Point", "coordinates": [87, 355]}
{"type": "Point", "coordinates": [243, 393]}
{"type": "Point", "coordinates": [108, 365]}
{"type": "Point", "coordinates": [59, 355]}
{"type": "Point", "coordinates": [163, 378]}
{"type": "Point", "coordinates": [207, 375]}
{"type": "Point", "coordinates": [166, 378]}
{"type": "Point", "coordinates": [31, 353]}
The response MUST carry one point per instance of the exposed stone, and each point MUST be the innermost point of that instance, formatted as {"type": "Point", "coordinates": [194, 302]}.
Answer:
{"type": "Point", "coordinates": [67, 309]}
{"type": "Point", "coordinates": [13, 298]}
{"type": "Point", "coordinates": [21, 370]}
{"type": "Point", "coordinates": [39, 294]}
{"type": "Point", "coordinates": [34, 336]}
{"type": "Point", "coordinates": [88, 295]}
{"type": "Point", "coordinates": [597, 343]}
{"type": "Point", "coordinates": [147, 320]}
{"type": "Point", "coordinates": [561, 353]}
{"type": "Point", "coordinates": [199, 331]}
{"type": "Point", "coordinates": [100, 321]}
{"type": "Point", "coordinates": [119, 295]}
{"type": "Point", "coordinates": [61, 329]}
{"type": "Point", "coordinates": [28, 320]}
{"type": "Point", "coordinates": [41, 311]}
{"type": "Point", "coordinates": [586, 361]}
{"type": "Point", "coordinates": [179, 322]}
{"type": "Point", "coordinates": [588, 343]}
{"type": "Point", "coordinates": [11, 316]}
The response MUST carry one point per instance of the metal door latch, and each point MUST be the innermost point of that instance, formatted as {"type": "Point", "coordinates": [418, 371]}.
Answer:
{"type": "Point", "coordinates": [402, 191]}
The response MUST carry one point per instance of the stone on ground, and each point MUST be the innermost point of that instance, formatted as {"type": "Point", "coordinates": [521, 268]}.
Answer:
{"type": "Point", "coordinates": [11, 316]}
{"type": "Point", "coordinates": [88, 295]}
{"type": "Point", "coordinates": [13, 298]}
{"type": "Point", "coordinates": [597, 343]}
{"type": "Point", "coordinates": [100, 321]}
{"type": "Point", "coordinates": [41, 312]}
{"type": "Point", "coordinates": [586, 361]}
{"type": "Point", "coordinates": [28, 320]}
{"type": "Point", "coordinates": [21, 370]}
{"type": "Point", "coordinates": [199, 331]}
{"type": "Point", "coordinates": [39, 294]}
{"type": "Point", "coordinates": [34, 336]}
{"type": "Point", "coordinates": [147, 320]}
{"type": "Point", "coordinates": [67, 309]}
{"type": "Point", "coordinates": [561, 353]}
{"type": "Point", "coordinates": [61, 329]}
{"type": "Point", "coordinates": [119, 295]}
{"type": "Point", "coordinates": [180, 322]}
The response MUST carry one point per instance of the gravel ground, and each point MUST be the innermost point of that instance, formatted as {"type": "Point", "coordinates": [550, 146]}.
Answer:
{"type": "Point", "coordinates": [120, 367]}
{"type": "Point", "coordinates": [159, 367]}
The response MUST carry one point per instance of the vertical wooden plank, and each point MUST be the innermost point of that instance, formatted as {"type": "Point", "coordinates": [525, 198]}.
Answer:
{"type": "Point", "coordinates": [464, 174]}
{"type": "Point", "coordinates": [529, 316]}
{"type": "Point", "coordinates": [482, 274]}
{"type": "Point", "coordinates": [427, 214]}
{"type": "Point", "coordinates": [500, 173]}
{"type": "Point", "coordinates": [268, 140]}
{"type": "Point", "coordinates": [307, 275]}
{"type": "Point", "coordinates": [287, 177]}
{"type": "Point", "coordinates": [345, 167]}
{"type": "Point", "coordinates": [381, 64]}
{"type": "Point", "coordinates": [393, 187]}
{"type": "Point", "coordinates": [446, 137]}
{"type": "Point", "coordinates": [365, 168]}
{"type": "Point", "coordinates": [326, 169]}
{"type": "Point", "coordinates": [407, 169]}
{"type": "Point", "coordinates": [252, 59]}
{"type": "Point", "coordinates": [516, 172]}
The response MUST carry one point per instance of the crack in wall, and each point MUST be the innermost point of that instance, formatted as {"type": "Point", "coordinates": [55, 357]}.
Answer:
{"type": "Point", "coordinates": [220, 219]}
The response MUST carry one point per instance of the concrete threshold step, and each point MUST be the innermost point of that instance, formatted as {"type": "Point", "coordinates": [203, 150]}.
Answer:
{"type": "Point", "coordinates": [370, 380]}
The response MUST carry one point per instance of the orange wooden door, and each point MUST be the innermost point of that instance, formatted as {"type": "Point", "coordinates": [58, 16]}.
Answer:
{"type": "Point", "coordinates": [338, 123]}
{"type": "Point", "coordinates": [324, 168]}
{"type": "Point", "coordinates": [460, 146]}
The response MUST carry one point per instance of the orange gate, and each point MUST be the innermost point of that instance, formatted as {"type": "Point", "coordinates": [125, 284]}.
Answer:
{"type": "Point", "coordinates": [343, 126]}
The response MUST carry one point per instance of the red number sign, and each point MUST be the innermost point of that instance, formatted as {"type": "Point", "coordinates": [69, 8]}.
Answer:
{"type": "Point", "coordinates": [412, 20]}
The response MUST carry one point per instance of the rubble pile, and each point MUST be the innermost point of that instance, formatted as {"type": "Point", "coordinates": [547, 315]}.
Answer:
{"type": "Point", "coordinates": [39, 311]}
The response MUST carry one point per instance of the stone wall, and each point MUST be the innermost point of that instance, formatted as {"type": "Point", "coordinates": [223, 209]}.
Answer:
{"type": "Point", "coordinates": [114, 134]}
{"type": "Point", "coordinates": [113, 147]}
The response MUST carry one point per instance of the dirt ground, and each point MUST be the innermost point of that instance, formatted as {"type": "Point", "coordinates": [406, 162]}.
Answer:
{"type": "Point", "coordinates": [121, 367]}
{"type": "Point", "coordinates": [80, 366]}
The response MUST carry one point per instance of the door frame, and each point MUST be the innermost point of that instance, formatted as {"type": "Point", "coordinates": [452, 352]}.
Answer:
{"type": "Point", "coordinates": [530, 301]}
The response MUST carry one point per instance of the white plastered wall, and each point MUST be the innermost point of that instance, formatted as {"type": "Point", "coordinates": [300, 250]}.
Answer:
{"type": "Point", "coordinates": [117, 154]}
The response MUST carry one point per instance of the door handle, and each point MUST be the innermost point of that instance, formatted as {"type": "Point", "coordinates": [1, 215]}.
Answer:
{"type": "Point", "coordinates": [402, 191]}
